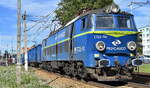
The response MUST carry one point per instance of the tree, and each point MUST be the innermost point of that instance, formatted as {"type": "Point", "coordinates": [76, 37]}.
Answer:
{"type": "Point", "coordinates": [69, 9]}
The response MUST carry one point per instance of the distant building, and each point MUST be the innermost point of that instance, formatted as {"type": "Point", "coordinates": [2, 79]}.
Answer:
{"type": "Point", "coordinates": [145, 35]}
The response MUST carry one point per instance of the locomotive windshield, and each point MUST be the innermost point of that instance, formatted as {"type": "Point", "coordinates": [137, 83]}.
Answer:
{"type": "Point", "coordinates": [110, 22]}
{"type": "Point", "coordinates": [104, 22]}
{"type": "Point", "coordinates": [125, 22]}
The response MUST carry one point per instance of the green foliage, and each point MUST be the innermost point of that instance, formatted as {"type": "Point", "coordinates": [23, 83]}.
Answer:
{"type": "Point", "coordinates": [68, 9]}
{"type": "Point", "coordinates": [139, 50]}
{"type": "Point", "coordinates": [145, 68]}
{"type": "Point", "coordinates": [28, 79]}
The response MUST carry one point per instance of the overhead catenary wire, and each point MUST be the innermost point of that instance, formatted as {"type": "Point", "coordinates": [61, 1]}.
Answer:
{"type": "Point", "coordinates": [45, 26]}
{"type": "Point", "coordinates": [38, 32]}
{"type": "Point", "coordinates": [40, 20]}
{"type": "Point", "coordinates": [139, 4]}
{"type": "Point", "coordinates": [41, 25]}
{"type": "Point", "coordinates": [43, 17]}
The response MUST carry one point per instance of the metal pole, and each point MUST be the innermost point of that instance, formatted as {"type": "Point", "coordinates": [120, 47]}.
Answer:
{"type": "Point", "coordinates": [131, 8]}
{"type": "Point", "coordinates": [18, 67]}
{"type": "Point", "coordinates": [12, 46]}
{"type": "Point", "coordinates": [25, 42]}
{"type": "Point", "coordinates": [7, 57]}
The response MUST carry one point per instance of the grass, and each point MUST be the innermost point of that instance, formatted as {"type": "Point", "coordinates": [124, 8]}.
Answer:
{"type": "Point", "coordinates": [28, 79]}
{"type": "Point", "coordinates": [145, 68]}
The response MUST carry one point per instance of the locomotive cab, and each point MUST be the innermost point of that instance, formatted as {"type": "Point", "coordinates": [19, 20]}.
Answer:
{"type": "Point", "coordinates": [112, 38]}
{"type": "Point", "coordinates": [109, 32]}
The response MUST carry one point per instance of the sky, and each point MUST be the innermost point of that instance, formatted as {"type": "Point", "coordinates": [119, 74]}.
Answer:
{"type": "Point", "coordinates": [36, 9]}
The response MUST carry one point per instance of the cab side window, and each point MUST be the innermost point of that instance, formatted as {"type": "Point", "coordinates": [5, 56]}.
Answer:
{"type": "Point", "coordinates": [86, 23]}
{"type": "Point", "coordinates": [83, 24]}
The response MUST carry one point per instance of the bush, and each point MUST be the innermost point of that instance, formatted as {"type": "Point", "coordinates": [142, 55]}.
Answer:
{"type": "Point", "coordinates": [28, 79]}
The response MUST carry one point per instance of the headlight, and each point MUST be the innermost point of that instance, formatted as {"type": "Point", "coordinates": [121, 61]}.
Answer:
{"type": "Point", "coordinates": [100, 45]}
{"type": "Point", "coordinates": [115, 10]}
{"type": "Point", "coordinates": [131, 45]}
{"type": "Point", "coordinates": [136, 62]}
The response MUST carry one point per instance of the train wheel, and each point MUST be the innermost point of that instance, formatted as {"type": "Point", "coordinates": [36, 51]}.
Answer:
{"type": "Point", "coordinates": [81, 71]}
{"type": "Point", "coordinates": [67, 69]}
{"type": "Point", "coordinates": [73, 69]}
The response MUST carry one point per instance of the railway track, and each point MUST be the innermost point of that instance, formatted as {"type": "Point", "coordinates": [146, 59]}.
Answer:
{"type": "Point", "coordinates": [119, 85]}
{"type": "Point", "coordinates": [140, 80]}
{"type": "Point", "coordinates": [137, 85]}
{"type": "Point", "coordinates": [143, 78]}
{"type": "Point", "coordinates": [112, 84]}
{"type": "Point", "coordinates": [141, 74]}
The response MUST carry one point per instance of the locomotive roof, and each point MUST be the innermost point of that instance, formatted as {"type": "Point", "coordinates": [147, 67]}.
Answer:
{"type": "Point", "coordinates": [97, 11]}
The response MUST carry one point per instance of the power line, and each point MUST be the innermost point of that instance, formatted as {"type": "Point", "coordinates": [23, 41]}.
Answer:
{"type": "Point", "coordinates": [139, 4]}
{"type": "Point", "coordinates": [38, 22]}
{"type": "Point", "coordinates": [45, 22]}
{"type": "Point", "coordinates": [43, 17]}
{"type": "Point", "coordinates": [33, 26]}
{"type": "Point", "coordinates": [43, 27]}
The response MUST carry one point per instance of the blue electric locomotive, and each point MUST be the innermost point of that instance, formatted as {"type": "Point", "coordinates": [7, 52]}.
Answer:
{"type": "Point", "coordinates": [99, 44]}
